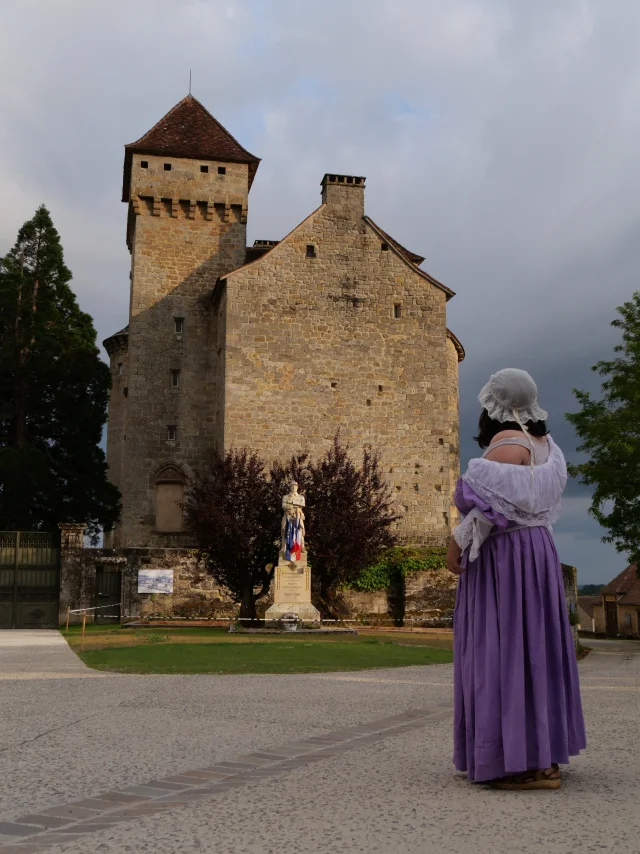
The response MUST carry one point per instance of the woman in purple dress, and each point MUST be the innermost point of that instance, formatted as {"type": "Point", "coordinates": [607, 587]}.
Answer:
{"type": "Point", "coordinates": [518, 715]}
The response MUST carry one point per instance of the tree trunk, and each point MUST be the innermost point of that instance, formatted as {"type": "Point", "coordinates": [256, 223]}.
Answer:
{"type": "Point", "coordinates": [248, 604]}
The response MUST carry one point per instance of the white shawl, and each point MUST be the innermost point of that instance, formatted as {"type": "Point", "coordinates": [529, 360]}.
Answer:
{"type": "Point", "coordinates": [512, 491]}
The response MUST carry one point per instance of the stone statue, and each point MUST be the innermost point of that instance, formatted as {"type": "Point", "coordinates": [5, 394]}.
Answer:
{"type": "Point", "coordinates": [292, 529]}
{"type": "Point", "coordinates": [292, 576]}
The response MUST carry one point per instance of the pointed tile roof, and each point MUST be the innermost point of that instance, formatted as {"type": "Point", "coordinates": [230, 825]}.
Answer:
{"type": "Point", "coordinates": [188, 130]}
{"type": "Point", "coordinates": [626, 585]}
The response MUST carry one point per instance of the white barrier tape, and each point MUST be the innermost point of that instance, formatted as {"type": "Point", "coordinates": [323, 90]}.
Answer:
{"type": "Point", "coordinates": [97, 608]}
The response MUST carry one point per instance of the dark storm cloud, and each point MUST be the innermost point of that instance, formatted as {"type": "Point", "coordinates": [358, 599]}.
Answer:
{"type": "Point", "coordinates": [498, 139]}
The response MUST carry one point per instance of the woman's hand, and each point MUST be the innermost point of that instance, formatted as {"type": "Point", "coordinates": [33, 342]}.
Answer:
{"type": "Point", "coordinates": [454, 554]}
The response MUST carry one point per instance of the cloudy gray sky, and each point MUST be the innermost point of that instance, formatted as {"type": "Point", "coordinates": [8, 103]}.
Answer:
{"type": "Point", "coordinates": [499, 139]}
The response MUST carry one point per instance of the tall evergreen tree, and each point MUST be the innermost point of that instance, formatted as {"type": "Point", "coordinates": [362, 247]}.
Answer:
{"type": "Point", "coordinates": [53, 393]}
{"type": "Point", "coordinates": [610, 432]}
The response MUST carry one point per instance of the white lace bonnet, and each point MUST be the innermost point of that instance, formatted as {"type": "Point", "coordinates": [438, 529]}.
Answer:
{"type": "Point", "coordinates": [512, 395]}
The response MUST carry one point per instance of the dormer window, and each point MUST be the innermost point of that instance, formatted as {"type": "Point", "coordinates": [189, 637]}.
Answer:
{"type": "Point", "coordinates": [167, 167]}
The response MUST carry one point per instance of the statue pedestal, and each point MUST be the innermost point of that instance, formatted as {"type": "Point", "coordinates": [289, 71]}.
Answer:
{"type": "Point", "coordinates": [292, 591]}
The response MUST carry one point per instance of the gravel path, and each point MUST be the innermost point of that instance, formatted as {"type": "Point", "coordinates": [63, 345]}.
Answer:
{"type": "Point", "coordinates": [349, 762]}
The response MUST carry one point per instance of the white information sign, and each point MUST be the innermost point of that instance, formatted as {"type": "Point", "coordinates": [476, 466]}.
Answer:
{"type": "Point", "coordinates": [155, 581]}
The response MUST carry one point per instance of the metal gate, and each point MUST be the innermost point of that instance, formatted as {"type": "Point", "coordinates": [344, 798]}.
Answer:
{"type": "Point", "coordinates": [29, 580]}
{"type": "Point", "coordinates": [108, 587]}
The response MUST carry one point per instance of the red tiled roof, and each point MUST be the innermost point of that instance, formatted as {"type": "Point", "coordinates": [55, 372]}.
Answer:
{"type": "Point", "coordinates": [626, 585]}
{"type": "Point", "coordinates": [188, 130]}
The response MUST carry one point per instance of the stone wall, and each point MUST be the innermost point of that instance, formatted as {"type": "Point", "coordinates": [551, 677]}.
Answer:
{"type": "Point", "coordinates": [334, 329]}
{"type": "Point", "coordinates": [195, 593]}
{"type": "Point", "coordinates": [570, 578]}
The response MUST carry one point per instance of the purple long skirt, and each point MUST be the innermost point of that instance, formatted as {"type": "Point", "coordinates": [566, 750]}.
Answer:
{"type": "Point", "coordinates": [517, 697]}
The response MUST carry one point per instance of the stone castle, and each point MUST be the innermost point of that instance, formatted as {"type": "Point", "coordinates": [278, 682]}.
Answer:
{"type": "Point", "coordinates": [274, 347]}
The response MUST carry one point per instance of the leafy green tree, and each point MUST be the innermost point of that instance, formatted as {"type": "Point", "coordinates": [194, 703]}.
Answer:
{"type": "Point", "coordinates": [53, 393]}
{"type": "Point", "coordinates": [610, 432]}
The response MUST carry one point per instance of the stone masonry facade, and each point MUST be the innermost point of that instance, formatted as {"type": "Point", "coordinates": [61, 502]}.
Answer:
{"type": "Point", "coordinates": [274, 347]}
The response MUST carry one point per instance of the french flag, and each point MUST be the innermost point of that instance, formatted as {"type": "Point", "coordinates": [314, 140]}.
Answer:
{"type": "Point", "coordinates": [294, 547]}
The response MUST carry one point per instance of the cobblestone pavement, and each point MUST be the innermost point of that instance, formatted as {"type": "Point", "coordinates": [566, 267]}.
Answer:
{"type": "Point", "coordinates": [352, 762]}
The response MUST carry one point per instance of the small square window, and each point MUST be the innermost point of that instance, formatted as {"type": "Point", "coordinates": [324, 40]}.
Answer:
{"type": "Point", "coordinates": [397, 310]}
{"type": "Point", "coordinates": [144, 164]}
{"type": "Point", "coordinates": [179, 325]}
{"type": "Point", "coordinates": [384, 247]}
{"type": "Point", "coordinates": [311, 250]}
{"type": "Point", "coordinates": [334, 385]}
{"type": "Point", "coordinates": [167, 167]}
{"type": "Point", "coordinates": [175, 379]}
{"type": "Point", "coordinates": [172, 433]}
{"type": "Point", "coordinates": [204, 168]}
{"type": "Point", "coordinates": [222, 170]}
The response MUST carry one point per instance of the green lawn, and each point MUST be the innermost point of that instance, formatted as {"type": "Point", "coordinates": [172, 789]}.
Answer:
{"type": "Point", "coordinates": [268, 655]}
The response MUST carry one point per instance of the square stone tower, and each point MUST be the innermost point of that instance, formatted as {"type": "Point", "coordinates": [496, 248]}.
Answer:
{"type": "Point", "coordinates": [186, 185]}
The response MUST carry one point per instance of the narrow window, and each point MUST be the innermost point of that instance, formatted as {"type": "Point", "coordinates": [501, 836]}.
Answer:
{"type": "Point", "coordinates": [368, 403]}
{"type": "Point", "coordinates": [119, 369]}
{"type": "Point", "coordinates": [175, 379]}
{"type": "Point", "coordinates": [204, 168]}
{"type": "Point", "coordinates": [172, 432]}
{"type": "Point", "coordinates": [144, 164]}
{"type": "Point", "coordinates": [311, 250]}
{"type": "Point", "coordinates": [380, 389]}
{"type": "Point", "coordinates": [441, 441]}
{"type": "Point", "coordinates": [167, 167]}
{"type": "Point", "coordinates": [384, 247]}
{"type": "Point", "coordinates": [397, 310]}
{"type": "Point", "coordinates": [179, 325]}
{"type": "Point", "coordinates": [125, 391]}
{"type": "Point", "coordinates": [222, 170]}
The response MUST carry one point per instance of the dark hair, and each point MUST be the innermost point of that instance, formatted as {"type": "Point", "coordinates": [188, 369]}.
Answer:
{"type": "Point", "coordinates": [488, 428]}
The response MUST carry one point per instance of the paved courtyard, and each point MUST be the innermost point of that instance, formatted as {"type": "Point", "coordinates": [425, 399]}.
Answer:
{"type": "Point", "coordinates": [334, 762]}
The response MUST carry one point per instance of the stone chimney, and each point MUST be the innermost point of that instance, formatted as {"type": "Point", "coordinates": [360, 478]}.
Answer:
{"type": "Point", "coordinates": [345, 192]}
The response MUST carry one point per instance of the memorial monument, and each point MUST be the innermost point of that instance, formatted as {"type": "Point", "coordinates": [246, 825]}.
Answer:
{"type": "Point", "coordinates": [292, 576]}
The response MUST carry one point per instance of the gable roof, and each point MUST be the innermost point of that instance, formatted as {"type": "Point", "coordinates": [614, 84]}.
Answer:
{"type": "Point", "coordinates": [587, 603]}
{"type": "Point", "coordinates": [188, 130]}
{"type": "Point", "coordinates": [626, 585]}
{"type": "Point", "coordinates": [396, 247]}
{"type": "Point", "coordinates": [406, 256]}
